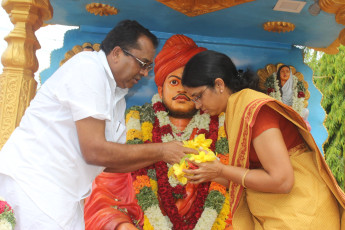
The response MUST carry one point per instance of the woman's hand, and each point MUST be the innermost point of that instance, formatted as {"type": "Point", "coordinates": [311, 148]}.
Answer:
{"type": "Point", "coordinates": [206, 171]}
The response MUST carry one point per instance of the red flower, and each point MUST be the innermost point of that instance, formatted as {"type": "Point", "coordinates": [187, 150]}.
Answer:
{"type": "Point", "coordinates": [3, 205]}
{"type": "Point", "coordinates": [168, 201]}
{"type": "Point", "coordinates": [165, 129]}
{"type": "Point", "coordinates": [270, 90]}
{"type": "Point", "coordinates": [156, 132]}
{"type": "Point", "coordinates": [300, 94]}
{"type": "Point", "coordinates": [158, 106]}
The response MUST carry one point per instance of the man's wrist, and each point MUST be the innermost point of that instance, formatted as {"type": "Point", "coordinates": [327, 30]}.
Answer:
{"type": "Point", "coordinates": [160, 151]}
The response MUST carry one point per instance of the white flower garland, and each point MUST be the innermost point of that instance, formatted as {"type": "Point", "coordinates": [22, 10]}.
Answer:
{"type": "Point", "coordinates": [207, 219]}
{"type": "Point", "coordinates": [5, 225]}
{"type": "Point", "coordinates": [133, 124]}
{"type": "Point", "coordinates": [156, 218]}
{"type": "Point", "coordinates": [198, 121]}
{"type": "Point", "coordinates": [297, 103]}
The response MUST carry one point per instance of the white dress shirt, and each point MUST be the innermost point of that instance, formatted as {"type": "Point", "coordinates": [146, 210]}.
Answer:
{"type": "Point", "coordinates": [43, 154]}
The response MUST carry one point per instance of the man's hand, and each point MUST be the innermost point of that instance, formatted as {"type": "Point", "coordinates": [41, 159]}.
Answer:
{"type": "Point", "coordinates": [172, 152]}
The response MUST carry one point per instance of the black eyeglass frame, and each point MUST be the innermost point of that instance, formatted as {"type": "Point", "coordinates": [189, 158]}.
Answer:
{"type": "Point", "coordinates": [197, 98]}
{"type": "Point", "coordinates": [144, 65]}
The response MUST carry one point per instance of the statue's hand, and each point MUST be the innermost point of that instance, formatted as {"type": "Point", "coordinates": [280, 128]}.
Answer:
{"type": "Point", "coordinates": [173, 151]}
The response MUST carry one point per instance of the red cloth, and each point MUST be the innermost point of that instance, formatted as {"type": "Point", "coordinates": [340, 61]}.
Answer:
{"type": "Point", "coordinates": [110, 190]}
{"type": "Point", "coordinates": [268, 118]}
{"type": "Point", "coordinates": [176, 52]}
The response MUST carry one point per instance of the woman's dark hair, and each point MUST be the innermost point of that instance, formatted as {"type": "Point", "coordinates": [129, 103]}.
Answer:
{"type": "Point", "coordinates": [205, 67]}
{"type": "Point", "coordinates": [125, 35]}
{"type": "Point", "coordinates": [278, 75]}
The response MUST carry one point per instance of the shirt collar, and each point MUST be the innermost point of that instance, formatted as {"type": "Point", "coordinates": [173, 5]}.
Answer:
{"type": "Point", "coordinates": [110, 76]}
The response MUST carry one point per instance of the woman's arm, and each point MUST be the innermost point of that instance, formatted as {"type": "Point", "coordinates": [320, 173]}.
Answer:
{"type": "Point", "coordinates": [276, 176]}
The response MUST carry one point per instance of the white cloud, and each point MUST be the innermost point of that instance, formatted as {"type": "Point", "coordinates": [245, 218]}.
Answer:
{"type": "Point", "coordinates": [50, 38]}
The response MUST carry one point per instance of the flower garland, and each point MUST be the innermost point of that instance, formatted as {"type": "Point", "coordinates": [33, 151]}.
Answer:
{"type": "Point", "coordinates": [7, 219]}
{"type": "Point", "coordinates": [299, 90]}
{"type": "Point", "coordinates": [209, 211]}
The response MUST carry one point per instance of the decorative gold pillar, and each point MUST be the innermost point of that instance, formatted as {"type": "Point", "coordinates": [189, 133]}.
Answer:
{"type": "Point", "coordinates": [17, 83]}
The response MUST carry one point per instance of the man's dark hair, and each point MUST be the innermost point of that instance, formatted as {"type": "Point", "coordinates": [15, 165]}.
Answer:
{"type": "Point", "coordinates": [125, 35]}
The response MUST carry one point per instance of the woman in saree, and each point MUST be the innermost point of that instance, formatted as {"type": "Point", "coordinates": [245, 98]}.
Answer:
{"type": "Point", "coordinates": [276, 175]}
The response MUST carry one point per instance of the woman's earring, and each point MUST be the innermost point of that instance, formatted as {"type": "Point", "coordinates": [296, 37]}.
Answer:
{"type": "Point", "coordinates": [221, 91]}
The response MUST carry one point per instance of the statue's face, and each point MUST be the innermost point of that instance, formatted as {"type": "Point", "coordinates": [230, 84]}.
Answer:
{"type": "Point", "coordinates": [174, 96]}
{"type": "Point", "coordinates": [284, 75]}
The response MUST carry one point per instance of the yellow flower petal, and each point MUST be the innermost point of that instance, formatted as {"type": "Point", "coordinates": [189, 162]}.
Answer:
{"type": "Point", "coordinates": [183, 180]}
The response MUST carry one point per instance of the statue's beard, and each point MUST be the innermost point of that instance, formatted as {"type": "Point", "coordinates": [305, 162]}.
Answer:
{"type": "Point", "coordinates": [180, 114]}
{"type": "Point", "coordinates": [177, 113]}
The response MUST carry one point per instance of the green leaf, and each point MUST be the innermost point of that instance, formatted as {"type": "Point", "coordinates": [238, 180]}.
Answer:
{"type": "Point", "coordinates": [331, 84]}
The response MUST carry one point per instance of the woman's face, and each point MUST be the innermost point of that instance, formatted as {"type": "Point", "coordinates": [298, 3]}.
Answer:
{"type": "Point", "coordinates": [207, 99]}
{"type": "Point", "coordinates": [284, 75]}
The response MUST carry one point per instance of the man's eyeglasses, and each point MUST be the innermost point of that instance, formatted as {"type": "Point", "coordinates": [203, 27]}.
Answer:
{"type": "Point", "coordinates": [144, 65]}
{"type": "Point", "coordinates": [197, 98]}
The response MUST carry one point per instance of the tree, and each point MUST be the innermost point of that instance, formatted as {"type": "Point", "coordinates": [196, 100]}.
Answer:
{"type": "Point", "coordinates": [329, 78]}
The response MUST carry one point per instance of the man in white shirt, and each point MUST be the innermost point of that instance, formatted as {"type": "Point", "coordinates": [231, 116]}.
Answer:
{"type": "Point", "coordinates": [74, 128]}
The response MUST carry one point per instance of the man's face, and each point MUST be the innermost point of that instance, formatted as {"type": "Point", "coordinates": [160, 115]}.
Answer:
{"type": "Point", "coordinates": [124, 65]}
{"type": "Point", "coordinates": [174, 96]}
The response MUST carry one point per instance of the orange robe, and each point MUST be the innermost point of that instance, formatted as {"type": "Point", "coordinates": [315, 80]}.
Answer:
{"type": "Point", "coordinates": [111, 202]}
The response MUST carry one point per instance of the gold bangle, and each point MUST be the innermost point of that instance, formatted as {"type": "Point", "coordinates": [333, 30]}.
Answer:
{"type": "Point", "coordinates": [243, 177]}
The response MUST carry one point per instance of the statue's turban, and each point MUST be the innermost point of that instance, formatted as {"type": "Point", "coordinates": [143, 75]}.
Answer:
{"type": "Point", "coordinates": [176, 52]}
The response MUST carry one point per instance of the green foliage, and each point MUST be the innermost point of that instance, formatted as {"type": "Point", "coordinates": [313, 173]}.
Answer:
{"type": "Point", "coordinates": [146, 198]}
{"type": "Point", "coordinates": [152, 174]}
{"type": "Point", "coordinates": [8, 215]}
{"type": "Point", "coordinates": [222, 146]}
{"type": "Point", "coordinates": [269, 83]}
{"type": "Point", "coordinates": [216, 200]}
{"type": "Point", "coordinates": [146, 112]}
{"type": "Point", "coordinates": [329, 78]}
{"type": "Point", "coordinates": [135, 141]}
{"type": "Point", "coordinates": [300, 87]}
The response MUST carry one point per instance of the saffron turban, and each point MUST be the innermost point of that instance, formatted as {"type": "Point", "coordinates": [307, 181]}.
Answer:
{"type": "Point", "coordinates": [176, 52]}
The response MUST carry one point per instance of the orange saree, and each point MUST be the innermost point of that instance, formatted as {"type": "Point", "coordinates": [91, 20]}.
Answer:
{"type": "Point", "coordinates": [314, 202]}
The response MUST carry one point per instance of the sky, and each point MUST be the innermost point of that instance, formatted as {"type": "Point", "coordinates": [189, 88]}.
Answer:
{"type": "Point", "coordinates": [50, 38]}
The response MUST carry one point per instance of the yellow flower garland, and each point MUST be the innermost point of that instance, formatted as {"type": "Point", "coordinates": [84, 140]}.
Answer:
{"type": "Point", "coordinates": [146, 128]}
{"type": "Point", "coordinates": [134, 133]}
{"type": "Point", "coordinates": [147, 224]}
{"type": "Point", "coordinates": [220, 223]}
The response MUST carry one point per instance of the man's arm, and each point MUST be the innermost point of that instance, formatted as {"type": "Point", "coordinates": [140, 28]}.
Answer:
{"type": "Point", "coordinates": [123, 157]}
